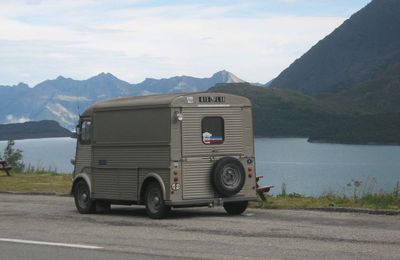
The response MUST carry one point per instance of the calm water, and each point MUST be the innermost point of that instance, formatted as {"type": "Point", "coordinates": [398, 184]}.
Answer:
{"type": "Point", "coordinates": [306, 168]}
{"type": "Point", "coordinates": [54, 153]}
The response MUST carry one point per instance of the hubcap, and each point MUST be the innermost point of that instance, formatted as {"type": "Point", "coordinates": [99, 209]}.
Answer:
{"type": "Point", "coordinates": [83, 196]}
{"type": "Point", "coordinates": [154, 200]}
{"type": "Point", "coordinates": [230, 176]}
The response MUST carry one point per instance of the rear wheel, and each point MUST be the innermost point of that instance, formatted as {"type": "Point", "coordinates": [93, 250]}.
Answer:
{"type": "Point", "coordinates": [235, 208]}
{"type": "Point", "coordinates": [83, 202]}
{"type": "Point", "coordinates": [155, 204]}
{"type": "Point", "coordinates": [228, 176]}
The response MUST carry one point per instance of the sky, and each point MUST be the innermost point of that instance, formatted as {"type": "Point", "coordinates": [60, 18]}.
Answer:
{"type": "Point", "coordinates": [137, 39]}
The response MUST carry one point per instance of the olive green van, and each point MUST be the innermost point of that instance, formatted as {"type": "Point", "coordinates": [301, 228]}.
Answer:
{"type": "Point", "coordinates": [165, 152]}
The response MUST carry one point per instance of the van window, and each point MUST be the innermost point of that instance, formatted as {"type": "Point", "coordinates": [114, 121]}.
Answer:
{"type": "Point", "coordinates": [212, 130]}
{"type": "Point", "coordinates": [85, 132]}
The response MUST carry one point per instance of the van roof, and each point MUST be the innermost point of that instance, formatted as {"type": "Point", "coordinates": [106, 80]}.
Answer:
{"type": "Point", "coordinates": [169, 100]}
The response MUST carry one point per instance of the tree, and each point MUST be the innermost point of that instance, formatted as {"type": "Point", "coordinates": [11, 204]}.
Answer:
{"type": "Point", "coordinates": [13, 157]}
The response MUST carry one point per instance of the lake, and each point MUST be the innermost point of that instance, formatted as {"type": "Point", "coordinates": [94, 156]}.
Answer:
{"type": "Point", "coordinates": [305, 168]}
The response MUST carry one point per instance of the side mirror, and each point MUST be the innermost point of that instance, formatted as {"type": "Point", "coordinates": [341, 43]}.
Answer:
{"type": "Point", "coordinates": [74, 135]}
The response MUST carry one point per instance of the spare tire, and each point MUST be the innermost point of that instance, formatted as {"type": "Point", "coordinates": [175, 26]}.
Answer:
{"type": "Point", "coordinates": [228, 176]}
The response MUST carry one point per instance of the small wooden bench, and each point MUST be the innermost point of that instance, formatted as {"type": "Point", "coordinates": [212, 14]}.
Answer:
{"type": "Point", "coordinates": [4, 167]}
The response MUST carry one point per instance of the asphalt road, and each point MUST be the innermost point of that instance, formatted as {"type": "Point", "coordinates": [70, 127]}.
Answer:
{"type": "Point", "coordinates": [49, 227]}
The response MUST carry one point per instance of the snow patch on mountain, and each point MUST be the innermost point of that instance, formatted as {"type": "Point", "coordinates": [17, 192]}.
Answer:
{"type": "Point", "coordinates": [62, 114]}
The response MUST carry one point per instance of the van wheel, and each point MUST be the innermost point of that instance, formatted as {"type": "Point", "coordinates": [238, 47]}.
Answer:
{"type": "Point", "coordinates": [228, 176]}
{"type": "Point", "coordinates": [155, 204]}
{"type": "Point", "coordinates": [235, 208]}
{"type": "Point", "coordinates": [83, 201]}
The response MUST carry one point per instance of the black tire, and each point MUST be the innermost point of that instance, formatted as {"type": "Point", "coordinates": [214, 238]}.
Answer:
{"type": "Point", "coordinates": [228, 176]}
{"type": "Point", "coordinates": [154, 200]}
{"type": "Point", "coordinates": [236, 208]}
{"type": "Point", "coordinates": [83, 202]}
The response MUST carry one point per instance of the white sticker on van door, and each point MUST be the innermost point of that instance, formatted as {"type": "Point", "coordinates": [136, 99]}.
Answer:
{"type": "Point", "coordinates": [207, 137]}
{"type": "Point", "coordinates": [189, 100]}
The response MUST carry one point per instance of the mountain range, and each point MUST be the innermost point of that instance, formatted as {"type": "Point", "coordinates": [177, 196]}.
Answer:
{"type": "Point", "coordinates": [62, 99]}
{"type": "Point", "coordinates": [345, 89]}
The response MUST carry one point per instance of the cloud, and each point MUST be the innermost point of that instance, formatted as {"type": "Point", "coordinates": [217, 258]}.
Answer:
{"type": "Point", "coordinates": [10, 119]}
{"type": "Point", "coordinates": [133, 40]}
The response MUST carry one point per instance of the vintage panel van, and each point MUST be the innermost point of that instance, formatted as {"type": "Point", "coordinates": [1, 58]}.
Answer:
{"type": "Point", "coordinates": [166, 151]}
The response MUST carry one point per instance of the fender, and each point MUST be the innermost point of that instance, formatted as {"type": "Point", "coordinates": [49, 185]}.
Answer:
{"type": "Point", "coordinates": [82, 175]}
{"type": "Point", "coordinates": [158, 178]}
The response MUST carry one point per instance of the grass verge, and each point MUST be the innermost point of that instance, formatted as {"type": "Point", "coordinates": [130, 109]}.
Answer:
{"type": "Point", "coordinates": [369, 201]}
{"type": "Point", "coordinates": [45, 182]}
{"type": "Point", "coordinates": [40, 182]}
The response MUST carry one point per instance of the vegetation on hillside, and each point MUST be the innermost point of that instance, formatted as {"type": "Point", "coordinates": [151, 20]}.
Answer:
{"type": "Point", "coordinates": [284, 113]}
{"type": "Point", "coordinates": [33, 129]}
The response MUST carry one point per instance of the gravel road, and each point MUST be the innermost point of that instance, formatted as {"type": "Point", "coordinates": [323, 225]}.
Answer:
{"type": "Point", "coordinates": [49, 227]}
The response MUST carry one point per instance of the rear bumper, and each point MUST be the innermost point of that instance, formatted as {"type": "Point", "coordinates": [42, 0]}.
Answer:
{"type": "Point", "coordinates": [213, 201]}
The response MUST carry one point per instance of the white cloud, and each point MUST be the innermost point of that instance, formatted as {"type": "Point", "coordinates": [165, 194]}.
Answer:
{"type": "Point", "coordinates": [11, 119]}
{"type": "Point", "coordinates": [81, 38]}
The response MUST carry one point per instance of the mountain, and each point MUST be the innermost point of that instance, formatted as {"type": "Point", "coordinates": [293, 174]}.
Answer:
{"type": "Point", "coordinates": [62, 99]}
{"type": "Point", "coordinates": [184, 83]}
{"type": "Point", "coordinates": [285, 113]}
{"type": "Point", "coordinates": [29, 130]}
{"type": "Point", "coordinates": [279, 112]}
{"type": "Point", "coordinates": [358, 51]}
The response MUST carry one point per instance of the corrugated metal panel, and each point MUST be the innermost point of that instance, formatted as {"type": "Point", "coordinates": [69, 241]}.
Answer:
{"type": "Point", "coordinates": [131, 157]}
{"type": "Point", "coordinates": [197, 170]}
{"type": "Point", "coordinates": [115, 184]}
{"type": "Point", "coordinates": [105, 184]}
{"type": "Point", "coordinates": [83, 157]}
{"type": "Point", "coordinates": [196, 179]}
{"type": "Point", "coordinates": [192, 136]}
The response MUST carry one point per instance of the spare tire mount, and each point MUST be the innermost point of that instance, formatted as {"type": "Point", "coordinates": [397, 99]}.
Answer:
{"type": "Point", "coordinates": [228, 176]}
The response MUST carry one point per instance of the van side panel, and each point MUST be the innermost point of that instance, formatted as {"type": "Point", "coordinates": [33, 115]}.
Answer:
{"type": "Point", "coordinates": [200, 158]}
{"type": "Point", "coordinates": [132, 126]}
{"type": "Point", "coordinates": [248, 139]}
{"type": "Point", "coordinates": [83, 157]}
{"type": "Point", "coordinates": [126, 145]}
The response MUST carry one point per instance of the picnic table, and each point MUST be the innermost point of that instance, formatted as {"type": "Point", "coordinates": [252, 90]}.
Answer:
{"type": "Point", "coordinates": [4, 167]}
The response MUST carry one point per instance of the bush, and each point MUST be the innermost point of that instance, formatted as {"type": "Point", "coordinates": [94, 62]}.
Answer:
{"type": "Point", "coordinates": [13, 157]}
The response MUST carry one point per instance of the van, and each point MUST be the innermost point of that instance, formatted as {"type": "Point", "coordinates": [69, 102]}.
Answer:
{"type": "Point", "coordinates": [164, 152]}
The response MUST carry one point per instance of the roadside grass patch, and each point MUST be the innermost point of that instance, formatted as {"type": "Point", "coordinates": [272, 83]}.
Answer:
{"type": "Point", "coordinates": [368, 201]}
{"type": "Point", "coordinates": [41, 182]}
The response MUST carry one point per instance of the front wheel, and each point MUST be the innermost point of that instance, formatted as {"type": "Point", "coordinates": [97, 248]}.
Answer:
{"type": "Point", "coordinates": [83, 201]}
{"type": "Point", "coordinates": [155, 204]}
{"type": "Point", "coordinates": [235, 208]}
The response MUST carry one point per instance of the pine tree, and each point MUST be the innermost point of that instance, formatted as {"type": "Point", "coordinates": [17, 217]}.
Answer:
{"type": "Point", "coordinates": [13, 157]}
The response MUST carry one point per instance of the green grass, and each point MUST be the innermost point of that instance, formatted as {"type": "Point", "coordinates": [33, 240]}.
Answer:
{"type": "Point", "coordinates": [40, 182]}
{"type": "Point", "coordinates": [368, 201]}
{"type": "Point", "coordinates": [45, 182]}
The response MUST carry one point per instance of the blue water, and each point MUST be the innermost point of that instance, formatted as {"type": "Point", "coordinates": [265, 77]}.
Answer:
{"type": "Point", "coordinates": [48, 153]}
{"type": "Point", "coordinates": [306, 168]}
{"type": "Point", "coordinates": [313, 168]}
